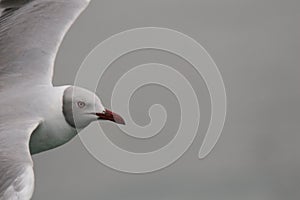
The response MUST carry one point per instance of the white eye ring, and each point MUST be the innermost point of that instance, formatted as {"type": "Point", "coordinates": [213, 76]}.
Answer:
{"type": "Point", "coordinates": [81, 104]}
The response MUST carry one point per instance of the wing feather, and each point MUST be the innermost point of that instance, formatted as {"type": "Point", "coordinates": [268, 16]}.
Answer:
{"type": "Point", "coordinates": [30, 35]}
{"type": "Point", "coordinates": [16, 173]}
{"type": "Point", "coordinates": [13, 3]}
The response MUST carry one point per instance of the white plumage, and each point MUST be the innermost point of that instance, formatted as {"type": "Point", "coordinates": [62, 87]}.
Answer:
{"type": "Point", "coordinates": [30, 34]}
{"type": "Point", "coordinates": [34, 115]}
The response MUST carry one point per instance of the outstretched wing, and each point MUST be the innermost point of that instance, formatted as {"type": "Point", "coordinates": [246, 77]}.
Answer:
{"type": "Point", "coordinates": [16, 173]}
{"type": "Point", "coordinates": [30, 34]}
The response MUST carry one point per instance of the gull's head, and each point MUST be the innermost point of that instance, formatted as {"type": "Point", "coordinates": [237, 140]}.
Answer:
{"type": "Point", "coordinates": [81, 107]}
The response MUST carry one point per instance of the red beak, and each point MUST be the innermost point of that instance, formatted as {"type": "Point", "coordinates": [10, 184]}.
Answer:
{"type": "Point", "coordinates": [111, 116]}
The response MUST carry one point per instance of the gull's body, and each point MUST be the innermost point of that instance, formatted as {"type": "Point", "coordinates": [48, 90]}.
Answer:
{"type": "Point", "coordinates": [34, 115]}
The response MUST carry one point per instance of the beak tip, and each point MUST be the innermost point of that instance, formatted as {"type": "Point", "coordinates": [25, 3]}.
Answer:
{"type": "Point", "coordinates": [120, 120]}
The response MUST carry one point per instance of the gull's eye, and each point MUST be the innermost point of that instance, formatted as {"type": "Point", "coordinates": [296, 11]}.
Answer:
{"type": "Point", "coordinates": [81, 104]}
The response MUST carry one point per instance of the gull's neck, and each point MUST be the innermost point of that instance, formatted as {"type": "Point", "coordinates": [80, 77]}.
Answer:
{"type": "Point", "coordinates": [54, 130]}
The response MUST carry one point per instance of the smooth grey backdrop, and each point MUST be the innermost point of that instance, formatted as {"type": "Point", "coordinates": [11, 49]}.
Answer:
{"type": "Point", "coordinates": [256, 47]}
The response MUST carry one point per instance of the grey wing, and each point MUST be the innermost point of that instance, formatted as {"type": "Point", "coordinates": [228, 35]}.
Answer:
{"type": "Point", "coordinates": [30, 34]}
{"type": "Point", "coordinates": [16, 172]}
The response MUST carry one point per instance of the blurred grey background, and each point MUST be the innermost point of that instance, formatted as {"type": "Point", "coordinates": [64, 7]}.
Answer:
{"type": "Point", "coordinates": [256, 47]}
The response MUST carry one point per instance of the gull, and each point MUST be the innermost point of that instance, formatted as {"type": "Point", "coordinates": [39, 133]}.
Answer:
{"type": "Point", "coordinates": [35, 116]}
